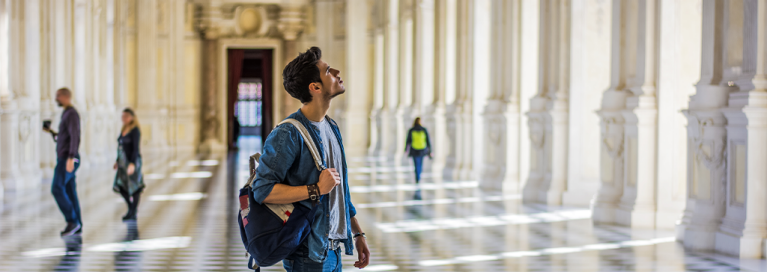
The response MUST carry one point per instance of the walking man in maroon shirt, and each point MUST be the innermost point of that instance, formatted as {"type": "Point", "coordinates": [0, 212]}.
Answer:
{"type": "Point", "coordinates": [64, 187]}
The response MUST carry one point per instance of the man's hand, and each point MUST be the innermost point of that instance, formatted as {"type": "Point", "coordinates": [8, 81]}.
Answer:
{"type": "Point", "coordinates": [131, 169]}
{"type": "Point", "coordinates": [114, 166]}
{"type": "Point", "coordinates": [363, 253]}
{"type": "Point", "coordinates": [70, 165]}
{"type": "Point", "coordinates": [329, 179]}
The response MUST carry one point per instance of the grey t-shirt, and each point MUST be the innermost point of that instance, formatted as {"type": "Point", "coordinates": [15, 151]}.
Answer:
{"type": "Point", "coordinates": [333, 157]}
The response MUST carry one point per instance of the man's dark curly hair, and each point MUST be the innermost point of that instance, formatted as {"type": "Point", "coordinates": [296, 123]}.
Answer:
{"type": "Point", "coordinates": [301, 72]}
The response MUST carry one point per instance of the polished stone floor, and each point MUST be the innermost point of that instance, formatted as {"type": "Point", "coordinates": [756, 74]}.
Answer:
{"type": "Point", "coordinates": [187, 223]}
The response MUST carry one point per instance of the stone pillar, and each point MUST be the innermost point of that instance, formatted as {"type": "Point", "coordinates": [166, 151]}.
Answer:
{"type": "Point", "coordinates": [19, 94]}
{"type": "Point", "coordinates": [680, 27]}
{"type": "Point", "coordinates": [744, 226]}
{"type": "Point", "coordinates": [637, 206]}
{"type": "Point", "coordinates": [379, 97]}
{"type": "Point", "coordinates": [530, 34]}
{"type": "Point", "coordinates": [212, 138]}
{"type": "Point", "coordinates": [187, 94]}
{"type": "Point", "coordinates": [590, 76]}
{"type": "Point", "coordinates": [459, 112]}
{"type": "Point", "coordinates": [548, 115]}
{"type": "Point", "coordinates": [5, 94]}
{"type": "Point", "coordinates": [406, 110]}
{"type": "Point", "coordinates": [706, 136]}
{"type": "Point", "coordinates": [444, 13]}
{"type": "Point", "coordinates": [423, 91]}
{"type": "Point", "coordinates": [611, 157]}
{"type": "Point", "coordinates": [149, 107]}
{"type": "Point", "coordinates": [391, 81]}
{"type": "Point", "coordinates": [358, 75]}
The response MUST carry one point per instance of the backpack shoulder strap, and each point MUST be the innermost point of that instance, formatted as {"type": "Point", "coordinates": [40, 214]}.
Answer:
{"type": "Point", "coordinates": [307, 140]}
{"type": "Point", "coordinates": [253, 161]}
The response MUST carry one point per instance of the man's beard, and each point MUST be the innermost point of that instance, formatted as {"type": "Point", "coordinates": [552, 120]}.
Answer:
{"type": "Point", "coordinates": [59, 102]}
{"type": "Point", "coordinates": [338, 93]}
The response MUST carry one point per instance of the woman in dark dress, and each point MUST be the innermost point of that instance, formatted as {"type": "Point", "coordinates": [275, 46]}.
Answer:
{"type": "Point", "coordinates": [129, 181]}
{"type": "Point", "coordinates": [418, 146]}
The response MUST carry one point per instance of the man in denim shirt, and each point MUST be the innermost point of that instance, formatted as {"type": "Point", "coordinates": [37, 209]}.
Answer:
{"type": "Point", "coordinates": [287, 173]}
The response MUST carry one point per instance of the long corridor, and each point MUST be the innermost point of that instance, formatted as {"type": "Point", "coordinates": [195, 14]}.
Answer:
{"type": "Point", "coordinates": [187, 223]}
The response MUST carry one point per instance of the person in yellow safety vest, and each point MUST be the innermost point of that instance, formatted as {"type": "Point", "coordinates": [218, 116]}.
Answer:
{"type": "Point", "coordinates": [418, 146]}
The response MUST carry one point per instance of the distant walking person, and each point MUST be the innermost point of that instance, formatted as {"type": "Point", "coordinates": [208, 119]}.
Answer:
{"type": "Point", "coordinates": [64, 187]}
{"type": "Point", "coordinates": [129, 181]}
{"type": "Point", "coordinates": [418, 146]}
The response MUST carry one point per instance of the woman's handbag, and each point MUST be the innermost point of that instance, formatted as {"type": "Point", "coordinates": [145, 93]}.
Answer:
{"type": "Point", "coordinates": [271, 232]}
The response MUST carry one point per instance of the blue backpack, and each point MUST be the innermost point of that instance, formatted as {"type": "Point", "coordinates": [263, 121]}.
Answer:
{"type": "Point", "coordinates": [271, 232]}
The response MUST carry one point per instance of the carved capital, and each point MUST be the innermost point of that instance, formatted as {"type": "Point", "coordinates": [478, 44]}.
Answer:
{"type": "Point", "coordinates": [291, 22]}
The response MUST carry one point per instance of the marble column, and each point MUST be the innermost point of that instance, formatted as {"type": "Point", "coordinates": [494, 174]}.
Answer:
{"type": "Point", "coordinates": [637, 206]}
{"type": "Point", "coordinates": [149, 75]}
{"type": "Point", "coordinates": [358, 77]}
{"type": "Point", "coordinates": [212, 138]}
{"type": "Point", "coordinates": [433, 118]}
{"type": "Point", "coordinates": [548, 115]}
{"type": "Point", "coordinates": [706, 134]}
{"type": "Point", "coordinates": [611, 155]}
{"type": "Point", "coordinates": [590, 76]}
{"type": "Point", "coordinates": [389, 139]}
{"type": "Point", "coordinates": [188, 93]}
{"type": "Point", "coordinates": [406, 110]}
{"type": "Point", "coordinates": [680, 27]}
{"type": "Point", "coordinates": [459, 113]}
{"type": "Point", "coordinates": [19, 94]}
{"type": "Point", "coordinates": [744, 226]}
{"type": "Point", "coordinates": [379, 98]}
{"type": "Point", "coordinates": [425, 93]}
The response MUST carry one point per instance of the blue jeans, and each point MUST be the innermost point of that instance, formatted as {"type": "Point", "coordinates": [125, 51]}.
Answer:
{"type": "Point", "coordinates": [418, 162]}
{"type": "Point", "coordinates": [299, 261]}
{"type": "Point", "coordinates": [64, 190]}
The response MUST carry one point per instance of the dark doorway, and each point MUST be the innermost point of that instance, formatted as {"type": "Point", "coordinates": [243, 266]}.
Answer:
{"type": "Point", "coordinates": [250, 94]}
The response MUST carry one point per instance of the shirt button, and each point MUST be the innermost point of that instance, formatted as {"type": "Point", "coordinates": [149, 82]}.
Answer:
{"type": "Point", "coordinates": [328, 215]}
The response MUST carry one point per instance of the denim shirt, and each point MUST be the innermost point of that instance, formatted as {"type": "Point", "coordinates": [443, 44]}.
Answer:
{"type": "Point", "coordinates": [287, 160]}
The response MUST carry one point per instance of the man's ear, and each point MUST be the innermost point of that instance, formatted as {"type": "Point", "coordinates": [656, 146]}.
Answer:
{"type": "Point", "coordinates": [314, 87]}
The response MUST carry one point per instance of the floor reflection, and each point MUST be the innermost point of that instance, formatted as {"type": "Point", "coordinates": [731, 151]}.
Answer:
{"type": "Point", "coordinates": [189, 224]}
{"type": "Point", "coordinates": [71, 259]}
{"type": "Point", "coordinates": [127, 260]}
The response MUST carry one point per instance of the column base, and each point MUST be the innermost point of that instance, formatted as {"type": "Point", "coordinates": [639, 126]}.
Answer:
{"type": "Point", "coordinates": [581, 195]}
{"type": "Point", "coordinates": [635, 217]}
{"type": "Point", "coordinates": [603, 213]}
{"type": "Point", "coordinates": [530, 191]}
{"type": "Point", "coordinates": [553, 198]}
{"type": "Point", "coordinates": [696, 238]}
{"type": "Point", "coordinates": [21, 182]}
{"type": "Point", "coordinates": [744, 247]}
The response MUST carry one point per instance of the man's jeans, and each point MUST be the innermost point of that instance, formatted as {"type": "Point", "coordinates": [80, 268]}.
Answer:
{"type": "Point", "coordinates": [299, 261]}
{"type": "Point", "coordinates": [418, 161]}
{"type": "Point", "coordinates": [64, 190]}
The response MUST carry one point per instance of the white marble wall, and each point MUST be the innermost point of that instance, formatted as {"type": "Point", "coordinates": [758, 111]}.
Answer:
{"type": "Point", "coordinates": [97, 49]}
{"type": "Point", "coordinates": [588, 101]}
{"type": "Point", "coordinates": [653, 112]}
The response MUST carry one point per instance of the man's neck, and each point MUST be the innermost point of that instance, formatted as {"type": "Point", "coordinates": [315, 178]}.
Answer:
{"type": "Point", "coordinates": [316, 110]}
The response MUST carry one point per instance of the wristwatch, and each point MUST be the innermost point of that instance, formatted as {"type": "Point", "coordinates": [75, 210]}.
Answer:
{"type": "Point", "coordinates": [360, 234]}
{"type": "Point", "coordinates": [314, 193]}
